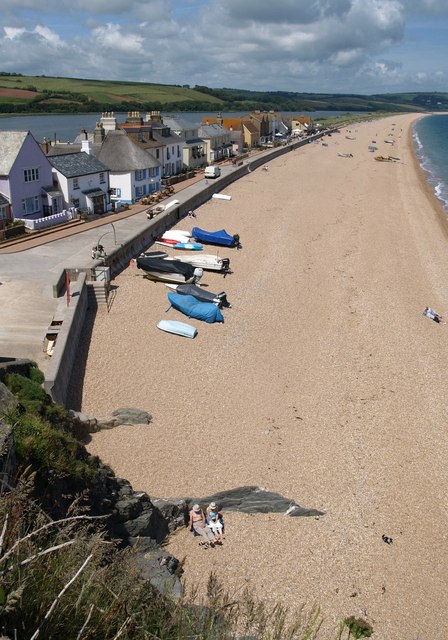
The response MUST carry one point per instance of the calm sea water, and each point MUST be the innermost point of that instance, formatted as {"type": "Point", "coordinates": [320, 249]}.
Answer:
{"type": "Point", "coordinates": [66, 127]}
{"type": "Point", "coordinates": [431, 142]}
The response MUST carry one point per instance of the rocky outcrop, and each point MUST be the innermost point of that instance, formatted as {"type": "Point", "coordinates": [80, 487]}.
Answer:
{"type": "Point", "coordinates": [250, 499]}
{"type": "Point", "coordinates": [253, 499]}
{"type": "Point", "coordinates": [8, 401]}
{"type": "Point", "coordinates": [8, 462]}
{"type": "Point", "coordinates": [125, 416]}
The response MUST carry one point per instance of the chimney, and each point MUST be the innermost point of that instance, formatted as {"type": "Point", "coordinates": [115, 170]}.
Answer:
{"type": "Point", "coordinates": [86, 146]}
{"type": "Point", "coordinates": [99, 133]}
{"type": "Point", "coordinates": [108, 121]}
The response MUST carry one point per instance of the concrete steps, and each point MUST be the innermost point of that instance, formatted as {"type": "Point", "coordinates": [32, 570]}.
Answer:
{"type": "Point", "coordinates": [98, 293]}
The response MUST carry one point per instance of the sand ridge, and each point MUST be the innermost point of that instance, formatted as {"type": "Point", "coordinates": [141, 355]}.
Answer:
{"type": "Point", "coordinates": [325, 383]}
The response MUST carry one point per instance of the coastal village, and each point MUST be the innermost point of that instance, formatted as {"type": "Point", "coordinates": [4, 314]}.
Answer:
{"type": "Point", "coordinates": [47, 183]}
{"type": "Point", "coordinates": [304, 413]}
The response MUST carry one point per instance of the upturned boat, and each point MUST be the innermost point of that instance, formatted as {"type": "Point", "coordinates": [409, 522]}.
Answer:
{"type": "Point", "coordinates": [220, 299]}
{"type": "Point", "coordinates": [206, 261]}
{"type": "Point", "coordinates": [165, 270]}
{"type": "Point", "coordinates": [221, 237]}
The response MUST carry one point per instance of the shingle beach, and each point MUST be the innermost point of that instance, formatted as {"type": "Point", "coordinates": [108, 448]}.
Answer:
{"type": "Point", "coordinates": [325, 384]}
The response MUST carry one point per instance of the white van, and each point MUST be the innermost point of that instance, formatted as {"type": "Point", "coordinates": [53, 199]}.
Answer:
{"type": "Point", "coordinates": [212, 172]}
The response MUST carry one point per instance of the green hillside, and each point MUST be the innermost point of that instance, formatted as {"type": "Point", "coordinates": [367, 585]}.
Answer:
{"type": "Point", "coordinates": [71, 94]}
{"type": "Point", "coordinates": [42, 94]}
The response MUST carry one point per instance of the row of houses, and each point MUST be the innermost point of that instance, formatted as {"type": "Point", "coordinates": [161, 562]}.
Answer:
{"type": "Point", "coordinates": [120, 163]}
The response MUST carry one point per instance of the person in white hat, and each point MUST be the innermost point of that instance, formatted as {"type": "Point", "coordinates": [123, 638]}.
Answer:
{"type": "Point", "coordinates": [215, 522]}
{"type": "Point", "coordinates": [198, 524]}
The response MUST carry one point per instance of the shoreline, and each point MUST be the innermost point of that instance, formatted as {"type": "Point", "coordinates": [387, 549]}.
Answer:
{"type": "Point", "coordinates": [436, 203]}
{"type": "Point", "coordinates": [320, 385]}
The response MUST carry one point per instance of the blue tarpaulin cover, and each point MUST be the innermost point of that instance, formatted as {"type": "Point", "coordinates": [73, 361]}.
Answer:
{"type": "Point", "coordinates": [191, 307]}
{"type": "Point", "coordinates": [214, 237]}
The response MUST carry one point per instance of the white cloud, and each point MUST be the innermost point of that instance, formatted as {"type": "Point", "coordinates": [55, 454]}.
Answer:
{"type": "Point", "coordinates": [298, 45]}
{"type": "Point", "coordinates": [13, 32]}
{"type": "Point", "coordinates": [48, 35]}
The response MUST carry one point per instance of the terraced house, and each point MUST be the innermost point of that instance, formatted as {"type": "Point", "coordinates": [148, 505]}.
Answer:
{"type": "Point", "coordinates": [26, 180]}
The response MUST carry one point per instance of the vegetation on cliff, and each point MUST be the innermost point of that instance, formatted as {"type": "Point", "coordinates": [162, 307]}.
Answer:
{"type": "Point", "coordinates": [65, 577]}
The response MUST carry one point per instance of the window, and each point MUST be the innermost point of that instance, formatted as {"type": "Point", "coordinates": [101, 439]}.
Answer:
{"type": "Point", "coordinates": [30, 205]}
{"type": "Point", "coordinates": [31, 175]}
{"type": "Point", "coordinates": [115, 191]}
{"type": "Point", "coordinates": [3, 212]}
{"type": "Point", "coordinates": [178, 151]}
{"type": "Point", "coordinates": [75, 202]}
{"type": "Point", "coordinates": [139, 191]}
{"type": "Point", "coordinates": [75, 183]}
{"type": "Point", "coordinates": [102, 178]}
{"type": "Point", "coordinates": [139, 174]}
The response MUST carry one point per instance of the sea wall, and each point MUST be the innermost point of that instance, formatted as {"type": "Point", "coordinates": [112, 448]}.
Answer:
{"type": "Point", "coordinates": [59, 370]}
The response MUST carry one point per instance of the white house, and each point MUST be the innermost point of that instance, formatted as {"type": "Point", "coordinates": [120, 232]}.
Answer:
{"type": "Point", "coordinates": [217, 140]}
{"type": "Point", "coordinates": [194, 149]}
{"type": "Point", "coordinates": [133, 171]}
{"type": "Point", "coordinates": [83, 180]}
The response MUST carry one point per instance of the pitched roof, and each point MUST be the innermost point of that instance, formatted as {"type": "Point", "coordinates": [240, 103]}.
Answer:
{"type": "Point", "coordinates": [227, 123]}
{"type": "Point", "coordinates": [62, 149]}
{"type": "Point", "coordinates": [10, 143]}
{"type": "Point", "coordinates": [211, 130]}
{"type": "Point", "coordinates": [119, 153]}
{"type": "Point", "coordinates": [72, 165]}
{"type": "Point", "coordinates": [3, 200]}
{"type": "Point", "coordinates": [251, 126]}
{"type": "Point", "coordinates": [179, 124]}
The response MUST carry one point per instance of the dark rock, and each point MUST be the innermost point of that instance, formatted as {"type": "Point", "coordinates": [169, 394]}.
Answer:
{"type": "Point", "coordinates": [175, 512]}
{"type": "Point", "coordinates": [132, 416]}
{"type": "Point", "coordinates": [254, 499]}
{"type": "Point", "coordinates": [8, 401]}
{"type": "Point", "coordinates": [91, 424]}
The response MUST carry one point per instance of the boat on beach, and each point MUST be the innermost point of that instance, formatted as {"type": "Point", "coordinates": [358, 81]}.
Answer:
{"type": "Point", "coordinates": [179, 328]}
{"type": "Point", "coordinates": [188, 246]}
{"type": "Point", "coordinates": [193, 308]}
{"type": "Point", "coordinates": [166, 270]}
{"type": "Point", "coordinates": [176, 234]}
{"type": "Point", "coordinates": [221, 238]}
{"type": "Point", "coordinates": [206, 261]}
{"type": "Point", "coordinates": [220, 299]}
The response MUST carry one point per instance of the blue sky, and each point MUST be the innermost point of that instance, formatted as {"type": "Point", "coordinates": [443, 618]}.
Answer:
{"type": "Point", "coordinates": [337, 46]}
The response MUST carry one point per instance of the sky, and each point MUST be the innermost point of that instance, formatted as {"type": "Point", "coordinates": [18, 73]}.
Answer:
{"type": "Point", "coordinates": [329, 46]}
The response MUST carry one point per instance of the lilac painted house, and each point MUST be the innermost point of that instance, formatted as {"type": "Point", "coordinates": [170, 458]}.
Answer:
{"type": "Point", "coordinates": [26, 179]}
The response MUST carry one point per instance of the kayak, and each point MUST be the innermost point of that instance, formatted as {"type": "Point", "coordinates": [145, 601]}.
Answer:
{"type": "Point", "coordinates": [190, 246]}
{"type": "Point", "coordinates": [179, 328]}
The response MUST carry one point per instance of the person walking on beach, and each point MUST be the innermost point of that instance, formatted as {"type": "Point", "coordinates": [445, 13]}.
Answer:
{"type": "Point", "coordinates": [198, 524]}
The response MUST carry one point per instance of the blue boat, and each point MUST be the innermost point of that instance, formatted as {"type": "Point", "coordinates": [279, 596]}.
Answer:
{"type": "Point", "coordinates": [193, 308]}
{"type": "Point", "coordinates": [221, 237]}
{"type": "Point", "coordinates": [189, 246]}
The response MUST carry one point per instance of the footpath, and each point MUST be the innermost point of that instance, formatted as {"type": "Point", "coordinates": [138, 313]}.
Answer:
{"type": "Point", "coordinates": [65, 230]}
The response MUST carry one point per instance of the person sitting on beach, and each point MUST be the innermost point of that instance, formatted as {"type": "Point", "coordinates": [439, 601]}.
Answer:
{"type": "Point", "coordinates": [215, 521]}
{"type": "Point", "coordinates": [198, 525]}
{"type": "Point", "coordinates": [433, 315]}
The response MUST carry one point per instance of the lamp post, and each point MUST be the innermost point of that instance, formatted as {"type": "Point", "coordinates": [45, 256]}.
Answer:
{"type": "Point", "coordinates": [98, 244]}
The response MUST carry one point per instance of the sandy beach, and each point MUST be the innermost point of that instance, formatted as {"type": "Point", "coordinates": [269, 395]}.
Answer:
{"type": "Point", "coordinates": [325, 383]}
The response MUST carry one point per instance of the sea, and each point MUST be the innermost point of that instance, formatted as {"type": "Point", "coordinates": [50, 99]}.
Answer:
{"type": "Point", "coordinates": [431, 144]}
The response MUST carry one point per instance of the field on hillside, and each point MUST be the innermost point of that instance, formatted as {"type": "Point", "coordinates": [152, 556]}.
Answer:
{"type": "Point", "coordinates": [106, 92]}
